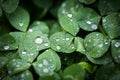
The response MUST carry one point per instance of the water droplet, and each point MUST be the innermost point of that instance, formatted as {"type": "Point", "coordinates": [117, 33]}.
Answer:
{"type": "Point", "coordinates": [71, 20]}
{"type": "Point", "coordinates": [104, 20]}
{"type": "Point", "coordinates": [106, 42]}
{"type": "Point", "coordinates": [46, 44]}
{"type": "Point", "coordinates": [58, 47]}
{"type": "Point", "coordinates": [89, 22]}
{"type": "Point", "coordinates": [38, 40]}
{"type": "Point", "coordinates": [40, 65]}
{"type": "Point", "coordinates": [2, 62]}
{"type": "Point", "coordinates": [64, 4]}
{"type": "Point", "coordinates": [57, 39]}
{"type": "Point", "coordinates": [69, 15]}
{"type": "Point", "coordinates": [24, 52]}
{"type": "Point", "coordinates": [6, 47]}
{"type": "Point", "coordinates": [45, 70]}
{"type": "Point", "coordinates": [30, 30]}
{"type": "Point", "coordinates": [17, 65]}
{"type": "Point", "coordinates": [21, 24]}
{"type": "Point", "coordinates": [94, 26]}
{"type": "Point", "coordinates": [117, 44]}
{"type": "Point", "coordinates": [32, 54]}
{"type": "Point", "coordinates": [73, 47]}
{"type": "Point", "coordinates": [63, 11]}
{"type": "Point", "coordinates": [97, 34]}
{"type": "Point", "coordinates": [45, 62]}
{"type": "Point", "coordinates": [100, 45]}
{"type": "Point", "coordinates": [67, 39]}
{"type": "Point", "coordinates": [22, 75]}
{"type": "Point", "coordinates": [9, 72]}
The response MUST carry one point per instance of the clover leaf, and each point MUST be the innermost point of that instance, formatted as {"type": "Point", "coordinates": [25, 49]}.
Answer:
{"type": "Point", "coordinates": [87, 1]}
{"type": "Point", "coordinates": [96, 44]}
{"type": "Point", "coordinates": [19, 19]}
{"type": "Point", "coordinates": [47, 63]}
{"type": "Point", "coordinates": [3, 61]}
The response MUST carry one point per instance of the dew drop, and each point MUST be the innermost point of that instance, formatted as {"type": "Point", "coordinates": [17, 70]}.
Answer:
{"type": "Point", "coordinates": [94, 26]}
{"type": "Point", "coordinates": [9, 72]}
{"type": "Point", "coordinates": [22, 75]}
{"type": "Point", "coordinates": [24, 52]}
{"type": "Point", "coordinates": [40, 65]}
{"type": "Point", "coordinates": [57, 39]}
{"type": "Point", "coordinates": [117, 44]}
{"type": "Point", "coordinates": [69, 15]}
{"type": "Point", "coordinates": [46, 44]}
{"type": "Point", "coordinates": [63, 11]}
{"type": "Point", "coordinates": [104, 20]}
{"type": "Point", "coordinates": [89, 22]}
{"type": "Point", "coordinates": [100, 45]}
{"type": "Point", "coordinates": [45, 62]}
{"type": "Point", "coordinates": [58, 47]}
{"type": "Point", "coordinates": [67, 39]}
{"type": "Point", "coordinates": [32, 54]}
{"type": "Point", "coordinates": [21, 24]}
{"type": "Point", "coordinates": [45, 70]}
{"type": "Point", "coordinates": [38, 40]}
{"type": "Point", "coordinates": [30, 30]}
{"type": "Point", "coordinates": [6, 47]}
{"type": "Point", "coordinates": [17, 65]}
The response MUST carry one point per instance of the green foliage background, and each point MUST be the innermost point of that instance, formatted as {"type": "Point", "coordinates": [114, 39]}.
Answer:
{"type": "Point", "coordinates": [59, 40]}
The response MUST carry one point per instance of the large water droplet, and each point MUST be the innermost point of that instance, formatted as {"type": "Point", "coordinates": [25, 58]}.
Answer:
{"type": "Point", "coordinates": [45, 62]}
{"type": "Point", "coordinates": [45, 70]}
{"type": "Point", "coordinates": [21, 24]}
{"type": "Point", "coordinates": [30, 30]}
{"type": "Point", "coordinates": [69, 15]}
{"type": "Point", "coordinates": [94, 26]}
{"type": "Point", "coordinates": [89, 22]}
{"type": "Point", "coordinates": [117, 44]}
{"type": "Point", "coordinates": [6, 47]}
{"type": "Point", "coordinates": [38, 40]}
{"type": "Point", "coordinates": [58, 47]}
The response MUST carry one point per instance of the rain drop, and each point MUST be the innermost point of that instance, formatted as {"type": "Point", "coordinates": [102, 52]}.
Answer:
{"type": "Point", "coordinates": [6, 47]}
{"type": "Point", "coordinates": [117, 44]}
{"type": "Point", "coordinates": [38, 40]}
{"type": "Point", "coordinates": [45, 62]}
{"type": "Point", "coordinates": [94, 26]}
{"type": "Point", "coordinates": [30, 30]}
{"type": "Point", "coordinates": [100, 45]}
{"type": "Point", "coordinates": [58, 47]}
{"type": "Point", "coordinates": [69, 15]}
{"type": "Point", "coordinates": [24, 52]}
{"type": "Point", "coordinates": [40, 65]}
{"type": "Point", "coordinates": [45, 70]}
{"type": "Point", "coordinates": [67, 39]}
{"type": "Point", "coordinates": [89, 22]}
{"type": "Point", "coordinates": [21, 24]}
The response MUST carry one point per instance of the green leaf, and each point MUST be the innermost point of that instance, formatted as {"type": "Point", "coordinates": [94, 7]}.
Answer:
{"type": "Point", "coordinates": [7, 42]}
{"type": "Point", "coordinates": [17, 65]}
{"type": "Point", "coordinates": [39, 26]}
{"type": "Point", "coordinates": [19, 19]}
{"type": "Point", "coordinates": [109, 72]}
{"type": "Point", "coordinates": [74, 72]}
{"type": "Point", "coordinates": [47, 63]}
{"type": "Point", "coordinates": [79, 44]}
{"type": "Point", "coordinates": [26, 75]}
{"type": "Point", "coordinates": [87, 1]}
{"type": "Point", "coordinates": [88, 19]}
{"type": "Point", "coordinates": [105, 59]}
{"type": "Point", "coordinates": [96, 44]}
{"type": "Point", "coordinates": [35, 41]}
{"type": "Point", "coordinates": [60, 41]}
{"type": "Point", "coordinates": [9, 6]}
{"type": "Point", "coordinates": [116, 50]}
{"type": "Point", "coordinates": [67, 16]}
{"type": "Point", "coordinates": [106, 7]}
{"type": "Point", "coordinates": [3, 61]}
{"type": "Point", "coordinates": [43, 3]}
{"type": "Point", "coordinates": [111, 25]}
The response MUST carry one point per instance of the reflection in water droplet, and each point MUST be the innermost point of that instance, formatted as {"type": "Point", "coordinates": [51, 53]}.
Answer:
{"type": "Point", "coordinates": [58, 47]}
{"type": "Point", "coordinates": [24, 52]}
{"type": "Point", "coordinates": [94, 26]}
{"type": "Point", "coordinates": [45, 62]}
{"type": "Point", "coordinates": [89, 22]}
{"type": "Point", "coordinates": [30, 30]}
{"type": "Point", "coordinates": [69, 15]}
{"type": "Point", "coordinates": [117, 44]}
{"type": "Point", "coordinates": [21, 24]}
{"type": "Point", "coordinates": [38, 40]}
{"type": "Point", "coordinates": [40, 65]}
{"type": "Point", "coordinates": [6, 47]}
{"type": "Point", "coordinates": [45, 70]}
